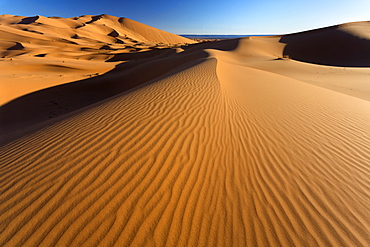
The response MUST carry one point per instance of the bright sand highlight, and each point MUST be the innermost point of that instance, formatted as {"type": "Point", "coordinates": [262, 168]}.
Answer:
{"type": "Point", "coordinates": [226, 143]}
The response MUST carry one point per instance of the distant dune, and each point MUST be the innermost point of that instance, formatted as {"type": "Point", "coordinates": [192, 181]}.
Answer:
{"type": "Point", "coordinates": [55, 47]}
{"type": "Point", "coordinates": [115, 133]}
{"type": "Point", "coordinates": [346, 45]}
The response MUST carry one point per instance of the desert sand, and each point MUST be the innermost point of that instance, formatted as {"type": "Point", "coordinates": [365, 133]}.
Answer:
{"type": "Point", "coordinates": [115, 133]}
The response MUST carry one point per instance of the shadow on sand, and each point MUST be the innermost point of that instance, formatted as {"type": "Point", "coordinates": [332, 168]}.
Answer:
{"type": "Point", "coordinates": [29, 20]}
{"type": "Point", "coordinates": [36, 110]}
{"type": "Point", "coordinates": [328, 47]}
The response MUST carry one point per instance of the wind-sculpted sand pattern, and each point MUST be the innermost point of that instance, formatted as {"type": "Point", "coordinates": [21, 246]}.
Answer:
{"type": "Point", "coordinates": [212, 154]}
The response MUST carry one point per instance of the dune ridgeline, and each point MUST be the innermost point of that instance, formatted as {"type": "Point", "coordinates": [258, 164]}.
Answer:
{"type": "Point", "coordinates": [115, 133]}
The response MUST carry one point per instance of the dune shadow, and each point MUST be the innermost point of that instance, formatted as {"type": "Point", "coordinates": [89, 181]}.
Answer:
{"type": "Point", "coordinates": [29, 20]}
{"type": "Point", "coordinates": [94, 19]}
{"type": "Point", "coordinates": [113, 34]}
{"type": "Point", "coordinates": [328, 47]}
{"type": "Point", "coordinates": [141, 68]}
{"type": "Point", "coordinates": [118, 41]}
{"type": "Point", "coordinates": [41, 55]}
{"type": "Point", "coordinates": [31, 31]}
{"type": "Point", "coordinates": [134, 56]}
{"type": "Point", "coordinates": [17, 46]}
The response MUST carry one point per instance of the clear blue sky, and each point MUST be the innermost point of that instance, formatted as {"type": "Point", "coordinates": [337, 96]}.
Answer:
{"type": "Point", "coordinates": [206, 16]}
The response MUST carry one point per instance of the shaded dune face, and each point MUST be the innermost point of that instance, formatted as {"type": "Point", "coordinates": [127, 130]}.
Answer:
{"type": "Point", "coordinates": [29, 20]}
{"type": "Point", "coordinates": [17, 46]}
{"type": "Point", "coordinates": [332, 46]}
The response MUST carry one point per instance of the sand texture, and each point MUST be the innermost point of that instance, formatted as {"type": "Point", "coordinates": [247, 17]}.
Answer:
{"type": "Point", "coordinates": [244, 142]}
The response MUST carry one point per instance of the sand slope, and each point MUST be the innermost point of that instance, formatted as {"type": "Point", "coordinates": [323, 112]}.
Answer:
{"type": "Point", "coordinates": [221, 144]}
{"type": "Point", "coordinates": [39, 52]}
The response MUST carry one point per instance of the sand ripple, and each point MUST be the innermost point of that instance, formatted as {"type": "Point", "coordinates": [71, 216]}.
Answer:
{"type": "Point", "coordinates": [210, 156]}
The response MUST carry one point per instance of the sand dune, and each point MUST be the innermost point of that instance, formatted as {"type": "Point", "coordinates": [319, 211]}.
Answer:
{"type": "Point", "coordinates": [344, 45]}
{"type": "Point", "coordinates": [225, 143]}
{"type": "Point", "coordinates": [59, 45]}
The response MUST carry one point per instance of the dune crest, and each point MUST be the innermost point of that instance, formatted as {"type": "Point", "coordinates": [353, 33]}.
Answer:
{"type": "Point", "coordinates": [226, 143]}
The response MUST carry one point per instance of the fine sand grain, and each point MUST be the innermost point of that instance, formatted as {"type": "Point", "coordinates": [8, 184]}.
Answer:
{"type": "Point", "coordinates": [230, 143]}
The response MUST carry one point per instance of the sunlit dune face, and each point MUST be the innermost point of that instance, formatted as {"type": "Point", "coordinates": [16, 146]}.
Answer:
{"type": "Point", "coordinates": [115, 133]}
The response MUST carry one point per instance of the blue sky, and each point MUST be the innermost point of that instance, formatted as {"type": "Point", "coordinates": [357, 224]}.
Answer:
{"type": "Point", "coordinates": [206, 16]}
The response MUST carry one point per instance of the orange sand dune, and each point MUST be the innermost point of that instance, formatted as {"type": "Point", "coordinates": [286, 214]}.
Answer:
{"type": "Point", "coordinates": [245, 142]}
{"type": "Point", "coordinates": [58, 45]}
